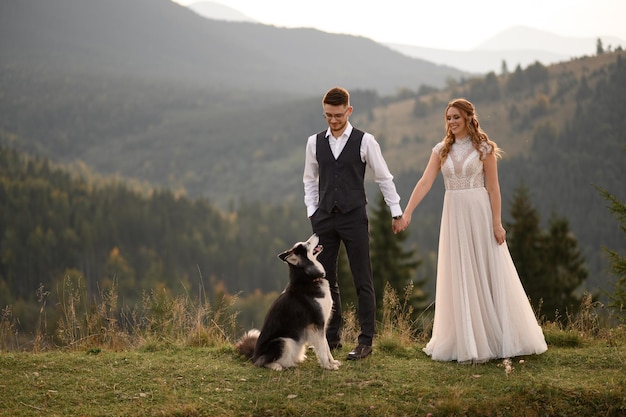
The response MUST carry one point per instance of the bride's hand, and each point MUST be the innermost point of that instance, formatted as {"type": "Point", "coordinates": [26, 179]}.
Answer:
{"type": "Point", "coordinates": [401, 224]}
{"type": "Point", "coordinates": [499, 233]}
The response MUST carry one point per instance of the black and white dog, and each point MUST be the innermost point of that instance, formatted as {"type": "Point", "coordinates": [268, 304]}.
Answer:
{"type": "Point", "coordinates": [298, 316]}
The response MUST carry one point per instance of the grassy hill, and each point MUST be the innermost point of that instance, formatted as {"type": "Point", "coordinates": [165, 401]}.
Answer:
{"type": "Point", "coordinates": [188, 367]}
{"type": "Point", "coordinates": [194, 382]}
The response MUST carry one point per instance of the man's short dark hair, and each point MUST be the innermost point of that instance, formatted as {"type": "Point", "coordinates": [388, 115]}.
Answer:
{"type": "Point", "coordinates": [337, 96]}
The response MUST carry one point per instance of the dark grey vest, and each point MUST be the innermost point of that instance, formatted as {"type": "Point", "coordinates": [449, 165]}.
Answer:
{"type": "Point", "coordinates": [341, 181]}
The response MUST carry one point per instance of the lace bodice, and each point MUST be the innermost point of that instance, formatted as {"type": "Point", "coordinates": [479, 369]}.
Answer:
{"type": "Point", "coordinates": [464, 166]}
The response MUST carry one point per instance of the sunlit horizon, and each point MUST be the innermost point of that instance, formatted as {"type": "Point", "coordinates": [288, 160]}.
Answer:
{"type": "Point", "coordinates": [454, 25]}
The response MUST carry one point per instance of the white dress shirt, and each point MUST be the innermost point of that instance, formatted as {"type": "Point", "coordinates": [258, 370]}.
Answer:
{"type": "Point", "coordinates": [370, 154]}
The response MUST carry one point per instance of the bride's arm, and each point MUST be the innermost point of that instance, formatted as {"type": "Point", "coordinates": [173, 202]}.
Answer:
{"type": "Point", "coordinates": [490, 165]}
{"type": "Point", "coordinates": [422, 187]}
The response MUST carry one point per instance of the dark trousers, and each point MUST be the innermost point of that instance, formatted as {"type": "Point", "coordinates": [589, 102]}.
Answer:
{"type": "Point", "coordinates": [353, 230]}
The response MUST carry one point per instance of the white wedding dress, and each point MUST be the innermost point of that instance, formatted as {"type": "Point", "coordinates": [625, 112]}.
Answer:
{"type": "Point", "coordinates": [481, 309]}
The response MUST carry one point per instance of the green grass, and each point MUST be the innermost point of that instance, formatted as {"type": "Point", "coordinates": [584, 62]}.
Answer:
{"type": "Point", "coordinates": [588, 380]}
{"type": "Point", "coordinates": [175, 358]}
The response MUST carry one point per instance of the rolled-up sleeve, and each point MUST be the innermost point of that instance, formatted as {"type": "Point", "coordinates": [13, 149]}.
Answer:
{"type": "Point", "coordinates": [311, 177]}
{"type": "Point", "coordinates": [373, 156]}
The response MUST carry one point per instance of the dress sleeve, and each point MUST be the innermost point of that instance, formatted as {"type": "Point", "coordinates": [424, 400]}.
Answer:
{"type": "Point", "coordinates": [485, 149]}
{"type": "Point", "coordinates": [437, 148]}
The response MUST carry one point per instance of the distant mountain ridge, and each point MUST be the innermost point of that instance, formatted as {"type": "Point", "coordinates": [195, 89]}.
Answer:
{"type": "Point", "coordinates": [161, 40]}
{"type": "Point", "coordinates": [519, 45]}
{"type": "Point", "coordinates": [526, 38]}
{"type": "Point", "coordinates": [481, 61]}
{"type": "Point", "coordinates": [219, 11]}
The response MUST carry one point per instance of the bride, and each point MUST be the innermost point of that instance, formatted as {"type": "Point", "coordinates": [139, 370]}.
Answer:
{"type": "Point", "coordinates": [481, 309]}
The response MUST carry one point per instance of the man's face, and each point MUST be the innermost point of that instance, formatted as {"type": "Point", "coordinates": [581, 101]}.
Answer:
{"type": "Point", "coordinates": [337, 117]}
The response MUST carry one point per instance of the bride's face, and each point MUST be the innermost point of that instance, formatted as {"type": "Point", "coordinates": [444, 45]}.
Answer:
{"type": "Point", "coordinates": [456, 123]}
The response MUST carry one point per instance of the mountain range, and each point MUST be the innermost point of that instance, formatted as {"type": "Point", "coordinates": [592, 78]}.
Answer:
{"type": "Point", "coordinates": [219, 11]}
{"type": "Point", "coordinates": [515, 46]}
{"type": "Point", "coordinates": [163, 41]}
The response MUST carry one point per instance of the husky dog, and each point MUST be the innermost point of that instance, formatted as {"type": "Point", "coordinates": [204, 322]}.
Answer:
{"type": "Point", "coordinates": [298, 316]}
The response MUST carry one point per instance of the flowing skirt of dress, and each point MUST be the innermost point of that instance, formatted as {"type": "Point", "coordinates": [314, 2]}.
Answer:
{"type": "Point", "coordinates": [481, 309]}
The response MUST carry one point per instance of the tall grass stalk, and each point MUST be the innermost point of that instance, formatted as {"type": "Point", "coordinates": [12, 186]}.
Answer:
{"type": "Point", "coordinates": [397, 322]}
{"type": "Point", "coordinates": [162, 319]}
{"type": "Point", "coordinates": [8, 330]}
{"type": "Point", "coordinates": [41, 331]}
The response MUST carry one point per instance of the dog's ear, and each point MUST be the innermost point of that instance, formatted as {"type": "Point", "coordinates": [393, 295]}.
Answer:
{"type": "Point", "coordinates": [289, 257]}
{"type": "Point", "coordinates": [285, 255]}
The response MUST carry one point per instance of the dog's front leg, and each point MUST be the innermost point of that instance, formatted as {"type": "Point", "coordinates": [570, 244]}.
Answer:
{"type": "Point", "coordinates": [322, 351]}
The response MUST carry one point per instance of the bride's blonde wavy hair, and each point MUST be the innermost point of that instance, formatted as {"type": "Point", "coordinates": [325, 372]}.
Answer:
{"type": "Point", "coordinates": [477, 135]}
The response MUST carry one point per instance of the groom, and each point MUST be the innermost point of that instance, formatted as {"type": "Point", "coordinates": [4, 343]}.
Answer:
{"type": "Point", "coordinates": [334, 194]}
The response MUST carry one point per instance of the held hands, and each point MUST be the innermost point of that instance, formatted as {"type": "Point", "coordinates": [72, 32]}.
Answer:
{"type": "Point", "coordinates": [398, 225]}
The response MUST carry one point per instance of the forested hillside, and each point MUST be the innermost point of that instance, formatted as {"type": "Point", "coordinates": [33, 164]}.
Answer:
{"type": "Point", "coordinates": [54, 225]}
{"type": "Point", "coordinates": [562, 131]}
{"type": "Point", "coordinates": [566, 163]}
{"type": "Point", "coordinates": [560, 127]}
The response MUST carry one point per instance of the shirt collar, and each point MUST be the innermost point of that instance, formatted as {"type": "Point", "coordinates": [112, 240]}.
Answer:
{"type": "Point", "coordinates": [345, 133]}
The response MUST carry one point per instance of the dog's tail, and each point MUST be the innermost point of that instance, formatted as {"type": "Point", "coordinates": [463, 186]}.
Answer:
{"type": "Point", "coordinates": [245, 346]}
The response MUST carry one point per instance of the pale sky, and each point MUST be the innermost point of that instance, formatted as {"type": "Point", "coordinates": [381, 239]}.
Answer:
{"type": "Point", "coordinates": [443, 24]}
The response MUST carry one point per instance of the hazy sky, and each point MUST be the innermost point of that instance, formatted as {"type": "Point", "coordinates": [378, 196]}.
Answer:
{"type": "Point", "coordinates": [445, 24]}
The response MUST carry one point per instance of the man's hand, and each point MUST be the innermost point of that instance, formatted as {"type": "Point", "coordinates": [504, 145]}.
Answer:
{"type": "Point", "coordinates": [399, 224]}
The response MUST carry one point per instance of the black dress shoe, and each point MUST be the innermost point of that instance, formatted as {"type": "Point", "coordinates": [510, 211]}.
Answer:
{"type": "Point", "coordinates": [335, 345]}
{"type": "Point", "coordinates": [359, 352]}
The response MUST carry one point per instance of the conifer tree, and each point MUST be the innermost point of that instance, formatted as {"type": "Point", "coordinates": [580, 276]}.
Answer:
{"type": "Point", "coordinates": [617, 298]}
{"type": "Point", "coordinates": [549, 263]}
{"type": "Point", "coordinates": [599, 47]}
{"type": "Point", "coordinates": [504, 68]}
{"type": "Point", "coordinates": [524, 241]}
{"type": "Point", "coordinates": [564, 267]}
{"type": "Point", "coordinates": [390, 261]}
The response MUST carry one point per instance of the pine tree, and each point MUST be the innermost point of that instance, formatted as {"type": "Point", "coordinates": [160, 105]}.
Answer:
{"type": "Point", "coordinates": [390, 262]}
{"type": "Point", "coordinates": [524, 241]}
{"type": "Point", "coordinates": [599, 47]}
{"type": "Point", "coordinates": [504, 68]}
{"type": "Point", "coordinates": [617, 298]}
{"type": "Point", "coordinates": [549, 263]}
{"type": "Point", "coordinates": [564, 267]}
